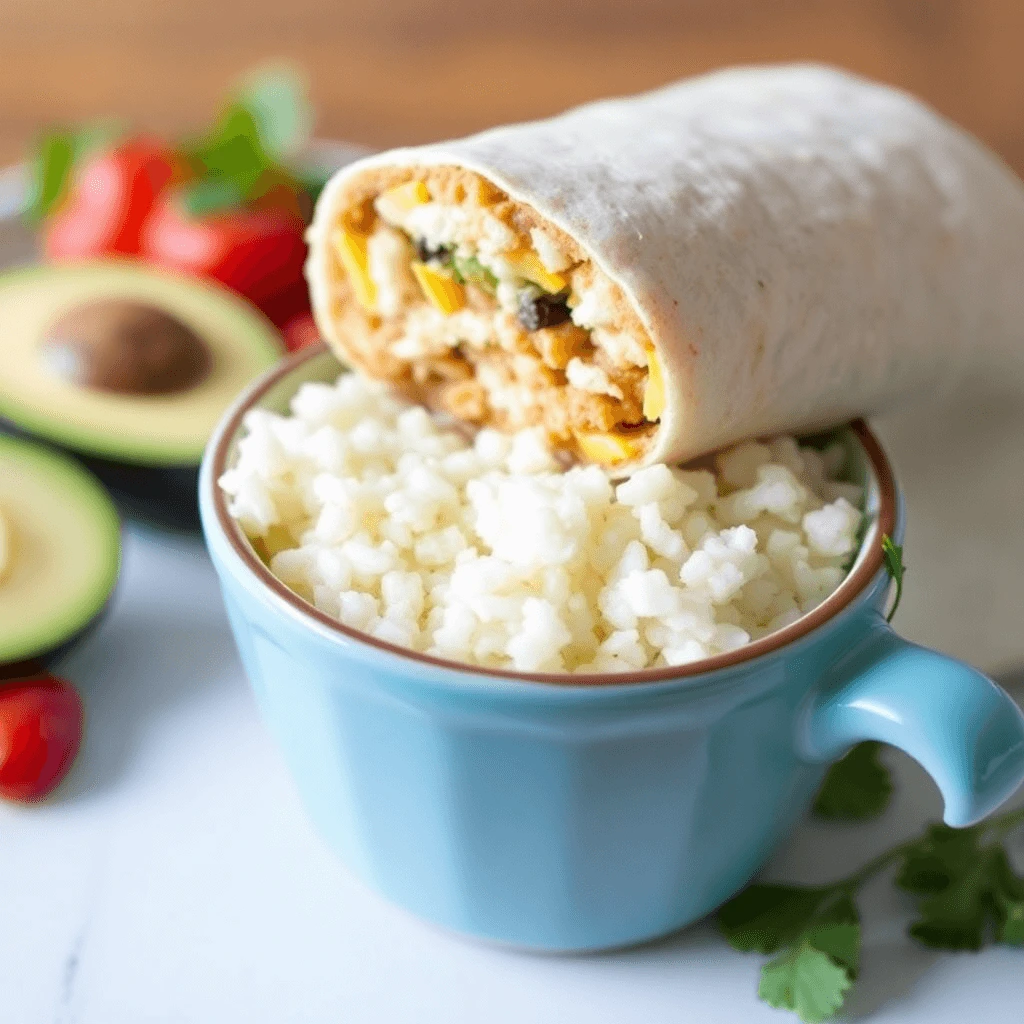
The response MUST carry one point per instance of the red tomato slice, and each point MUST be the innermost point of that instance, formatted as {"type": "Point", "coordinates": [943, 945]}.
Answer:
{"type": "Point", "coordinates": [112, 195]}
{"type": "Point", "coordinates": [257, 253]}
{"type": "Point", "coordinates": [40, 733]}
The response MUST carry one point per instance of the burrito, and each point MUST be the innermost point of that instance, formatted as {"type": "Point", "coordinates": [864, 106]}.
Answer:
{"type": "Point", "coordinates": [747, 253]}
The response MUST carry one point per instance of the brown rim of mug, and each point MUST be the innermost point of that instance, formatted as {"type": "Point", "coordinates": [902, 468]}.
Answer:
{"type": "Point", "coordinates": [863, 572]}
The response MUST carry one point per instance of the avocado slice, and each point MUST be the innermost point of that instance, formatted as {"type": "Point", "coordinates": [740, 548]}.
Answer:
{"type": "Point", "coordinates": [61, 550]}
{"type": "Point", "coordinates": [129, 429]}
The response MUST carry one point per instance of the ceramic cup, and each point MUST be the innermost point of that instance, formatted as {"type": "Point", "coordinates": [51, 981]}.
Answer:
{"type": "Point", "coordinates": [569, 812]}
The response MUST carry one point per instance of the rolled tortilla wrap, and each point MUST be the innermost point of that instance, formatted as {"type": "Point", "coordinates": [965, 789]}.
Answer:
{"type": "Point", "coordinates": [755, 251]}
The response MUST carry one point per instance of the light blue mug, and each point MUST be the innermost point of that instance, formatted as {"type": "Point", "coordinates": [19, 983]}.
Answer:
{"type": "Point", "coordinates": [569, 812]}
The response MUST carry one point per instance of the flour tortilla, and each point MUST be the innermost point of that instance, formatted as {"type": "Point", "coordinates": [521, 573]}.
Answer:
{"type": "Point", "coordinates": [803, 246]}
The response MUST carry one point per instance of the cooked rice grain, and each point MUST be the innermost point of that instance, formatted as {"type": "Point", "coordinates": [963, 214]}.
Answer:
{"type": "Point", "coordinates": [489, 553]}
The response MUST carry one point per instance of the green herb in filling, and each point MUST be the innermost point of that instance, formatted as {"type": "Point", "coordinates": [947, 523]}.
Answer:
{"type": "Point", "coordinates": [465, 269]}
{"type": "Point", "coordinates": [468, 269]}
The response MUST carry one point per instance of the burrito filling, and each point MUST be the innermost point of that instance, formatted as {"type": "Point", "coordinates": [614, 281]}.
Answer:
{"type": "Point", "coordinates": [472, 304]}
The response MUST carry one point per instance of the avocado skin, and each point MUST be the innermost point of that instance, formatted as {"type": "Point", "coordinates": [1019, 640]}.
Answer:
{"type": "Point", "coordinates": [45, 661]}
{"type": "Point", "coordinates": [164, 496]}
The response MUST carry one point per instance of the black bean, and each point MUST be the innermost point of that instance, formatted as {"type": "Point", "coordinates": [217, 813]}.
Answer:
{"type": "Point", "coordinates": [537, 311]}
{"type": "Point", "coordinates": [426, 252]}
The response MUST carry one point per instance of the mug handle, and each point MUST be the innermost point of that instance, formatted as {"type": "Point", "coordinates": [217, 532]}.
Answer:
{"type": "Point", "coordinates": [963, 729]}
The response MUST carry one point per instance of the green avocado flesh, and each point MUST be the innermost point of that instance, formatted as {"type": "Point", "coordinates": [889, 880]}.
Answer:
{"type": "Point", "coordinates": [136, 429]}
{"type": "Point", "coordinates": [61, 543]}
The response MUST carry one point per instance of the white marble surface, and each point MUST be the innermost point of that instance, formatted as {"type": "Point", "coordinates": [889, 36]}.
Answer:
{"type": "Point", "coordinates": [174, 877]}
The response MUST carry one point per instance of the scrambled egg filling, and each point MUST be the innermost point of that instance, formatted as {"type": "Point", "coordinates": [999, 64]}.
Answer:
{"type": "Point", "coordinates": [474, 306]}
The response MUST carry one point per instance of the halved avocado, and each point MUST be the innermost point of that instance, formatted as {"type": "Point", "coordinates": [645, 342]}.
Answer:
{"type": "Point", "coordinates": [67, 335]}
{"type": "Point", "coordinates": [60, 551]}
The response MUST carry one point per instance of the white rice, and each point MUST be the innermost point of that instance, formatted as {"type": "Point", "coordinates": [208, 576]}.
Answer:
{"type": "Point", "coordinates": [489, 553]}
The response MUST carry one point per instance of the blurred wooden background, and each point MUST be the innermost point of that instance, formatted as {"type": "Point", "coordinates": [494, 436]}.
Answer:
{"type": "Point", "coordinates": [390, 71]}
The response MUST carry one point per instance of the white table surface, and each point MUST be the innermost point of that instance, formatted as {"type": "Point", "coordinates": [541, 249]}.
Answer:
{"type": "Point", "coordinates": [174, 877]}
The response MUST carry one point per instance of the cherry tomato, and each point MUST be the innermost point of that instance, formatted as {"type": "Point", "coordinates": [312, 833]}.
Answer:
{"type": "Point", "coordinates": [288, 304]}
{"type": "Point", "coordinates": [40, 733]}
{"type": "Point", "coordinates": [257, 253]}
{"type": "Point", "coordinates": [299, 332]}
{"type": "Point", "coordinates": [112, 194]}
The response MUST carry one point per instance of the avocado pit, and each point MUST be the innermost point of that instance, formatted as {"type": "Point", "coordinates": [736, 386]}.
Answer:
{"type": "Point", "coordinates": [125, 347]}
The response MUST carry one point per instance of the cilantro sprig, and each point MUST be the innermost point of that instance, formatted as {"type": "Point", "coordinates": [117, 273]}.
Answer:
{"type": "Point", "coordinates": [892, 556]}
{"type": "Point", "coordinates": [967, 892]}
{"type": "Point", "coordinates": [966, 888]}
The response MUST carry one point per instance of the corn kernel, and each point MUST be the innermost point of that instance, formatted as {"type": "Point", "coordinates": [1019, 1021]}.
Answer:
{"type": "Point", "coordinates": [350, 247]}
{"type": "Point", "coordinates": [526, 263]}
{"type": "Point", "coordinates": [654, 392]}
{"type": "Point", "coordinates": [440, 289]}
{"type": "Point", "coordinates": [557, 345]}
{"type": "Point", "coordinates": [401, 199]}
{"type": "Point", "coordinates": [609, 449]}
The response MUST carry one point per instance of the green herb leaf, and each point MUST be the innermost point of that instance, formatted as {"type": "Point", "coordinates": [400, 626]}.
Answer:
{"type": "Point", "coordinates": [469, 268]}
{"type": "Point", "coordinates": [764, 918]}
{"type": "Point", "coordinates": [53, 160]}
{"type": "Point", "coordinates": [277, 98]}
{"type": "Point", "coordinates": [209, 196]}
{"type": "Point", "coordinates": [955, 918]}
{"type": "Point", "coordinates": [806, 980]}
{"type": "Point", "coordinates": [268, 120]}
{"type": "Point", "coordinates": [836, 931]}
{"type": "Point", "coordinates": [892, 555]}
{"type": "Point", "coordinates": [856, 787]}
{"type": "Point", "coordinates": [233, 150]}
{"type": "Point", "coordinates": [963, 878]}
{"type": "Point", "coordinates": [1008, 897]}
{"type": "Point", "coordinates": [938, 858]}
{"type": "Point", "coordinates": [818, 931]}
{"type": "Point", "coordinates": [964, 884]}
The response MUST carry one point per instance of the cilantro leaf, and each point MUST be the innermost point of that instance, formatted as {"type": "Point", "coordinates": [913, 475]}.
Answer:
{"type": "Point", "coordinates": [955, 918]}
{"type": "Point", "coordinates": [806, 980]}
{"type": "Point", "coordinates": [856, 787]}
{"type": "Point", "coordinates": [836, 931]}
{"type": "Point", "coordinates": [764, 918]}
{"type": "Point", "coordinates": [892, 555]}
{"type": "Point", "coordinates": [964, 884]}
{"type": "Point", "coordinates": [1008, 899]}
{"type": "Point", "coordinates": [817, 930]}
{"type": "Point", "coordinates": [933, 862]}
{"type": "Point", "coordinates": [967, 888]}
